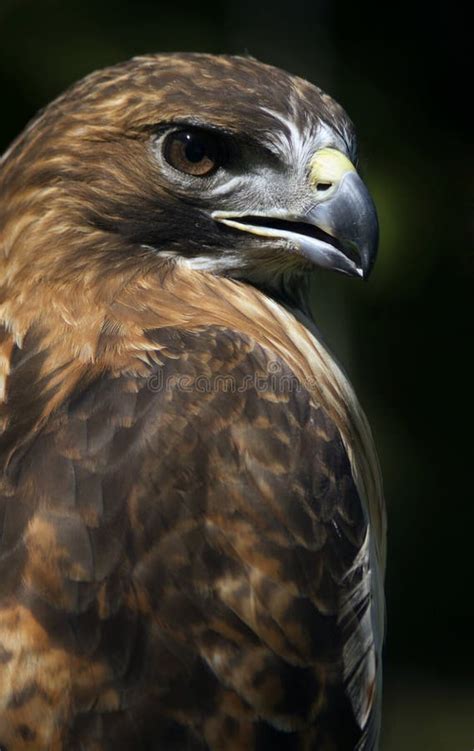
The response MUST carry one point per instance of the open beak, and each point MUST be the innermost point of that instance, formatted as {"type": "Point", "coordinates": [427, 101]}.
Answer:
{"type": "Point", "coordinates": [339, 231]}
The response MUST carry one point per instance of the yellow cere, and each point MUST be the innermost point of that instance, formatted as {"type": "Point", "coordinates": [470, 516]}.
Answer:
{"type": "Point", "coordinates": [329, 166]}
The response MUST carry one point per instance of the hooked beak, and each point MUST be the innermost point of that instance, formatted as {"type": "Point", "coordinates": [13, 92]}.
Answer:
{"type": "Point", "coordinates": [339, 231]}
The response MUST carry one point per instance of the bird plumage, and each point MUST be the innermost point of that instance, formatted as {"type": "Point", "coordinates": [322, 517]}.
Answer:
{"type": "Point", "coordinates": [191, 515]}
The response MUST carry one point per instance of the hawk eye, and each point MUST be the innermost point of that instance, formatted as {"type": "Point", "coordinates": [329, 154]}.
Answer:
{"type": "Point", "coordinates": [195, 152]}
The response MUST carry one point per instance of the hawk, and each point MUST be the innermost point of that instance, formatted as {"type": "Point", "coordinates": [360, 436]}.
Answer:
{"type": "Point", "coordinates": [191, 514]}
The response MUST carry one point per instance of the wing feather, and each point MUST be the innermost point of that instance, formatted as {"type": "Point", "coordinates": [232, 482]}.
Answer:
{"type": "Point", "coordinates": [195, 552]}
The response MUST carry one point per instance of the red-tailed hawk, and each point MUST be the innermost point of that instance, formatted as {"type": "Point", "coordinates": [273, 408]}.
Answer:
{"type": "Point", "coordinates": [191, 514]}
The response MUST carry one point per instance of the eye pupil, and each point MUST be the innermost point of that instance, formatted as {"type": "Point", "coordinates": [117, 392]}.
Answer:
{"type": "Point", "coordinates": [195, 152]}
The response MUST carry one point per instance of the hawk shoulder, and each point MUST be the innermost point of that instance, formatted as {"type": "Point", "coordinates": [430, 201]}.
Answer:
{"type": "Point", "coordinates": [191, 533]}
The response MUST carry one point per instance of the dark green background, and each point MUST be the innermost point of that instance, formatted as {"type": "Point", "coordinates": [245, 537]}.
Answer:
{"type": "Point", "coordinates": [405, 337]}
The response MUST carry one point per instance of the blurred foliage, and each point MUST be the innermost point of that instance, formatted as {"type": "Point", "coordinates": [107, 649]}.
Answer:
{"type": "Point", "coordinates": [405, 336]}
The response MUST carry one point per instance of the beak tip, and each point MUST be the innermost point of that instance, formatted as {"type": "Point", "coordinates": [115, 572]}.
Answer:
{"type": "Point", "coordinates": [369, 259]}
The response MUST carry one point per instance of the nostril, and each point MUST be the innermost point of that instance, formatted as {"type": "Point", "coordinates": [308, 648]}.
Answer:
{"type": "Point", "coordinates": [323, 186]}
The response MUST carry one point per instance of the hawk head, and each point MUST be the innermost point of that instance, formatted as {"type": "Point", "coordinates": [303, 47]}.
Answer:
{"type": "Point", "coordinates": [222, 163]}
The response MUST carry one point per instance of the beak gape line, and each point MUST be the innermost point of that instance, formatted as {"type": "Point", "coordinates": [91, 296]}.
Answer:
{"type": "Point", "coordinates": [339, 231]}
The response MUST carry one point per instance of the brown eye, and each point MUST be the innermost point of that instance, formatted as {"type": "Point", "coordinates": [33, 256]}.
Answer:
{"type": "Point", "coordinates": [194, 152]}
